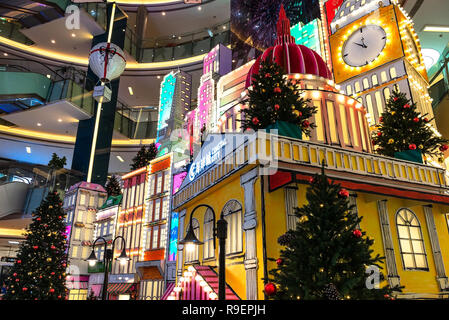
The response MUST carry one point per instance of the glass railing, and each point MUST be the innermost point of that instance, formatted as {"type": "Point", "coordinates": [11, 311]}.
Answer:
{"type": "Point", "coordinates": [135, 123]}
{"type": "Point", "coordinates": [11, 30]}
{"type": "Point", "coordinates": [439, 78]}
{"type": "Point", "coordinates": [73, 92]}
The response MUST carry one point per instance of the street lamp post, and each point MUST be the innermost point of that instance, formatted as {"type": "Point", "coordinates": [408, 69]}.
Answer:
{"type": "Point", "coordinates": [220, 232]}
{"type": "Point", "coordinates": [107, 260]}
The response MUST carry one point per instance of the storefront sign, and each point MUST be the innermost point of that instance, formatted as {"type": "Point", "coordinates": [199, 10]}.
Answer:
{"type": "Point", "coordinates": [206, 159]}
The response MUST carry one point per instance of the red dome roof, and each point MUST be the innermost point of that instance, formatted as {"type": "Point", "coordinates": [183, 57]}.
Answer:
{"type": "Point", "coordinates": [291, 57]}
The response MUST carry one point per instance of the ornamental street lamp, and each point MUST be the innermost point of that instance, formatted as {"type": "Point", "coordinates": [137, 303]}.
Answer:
{"type": "Point", "coordinates": [220, 232]}
{"type": "Point", "coordinates": [107, 260]}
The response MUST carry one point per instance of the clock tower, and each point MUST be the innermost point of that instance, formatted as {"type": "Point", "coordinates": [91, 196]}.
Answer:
{"type": "Point", "coordinates": [374, 50]}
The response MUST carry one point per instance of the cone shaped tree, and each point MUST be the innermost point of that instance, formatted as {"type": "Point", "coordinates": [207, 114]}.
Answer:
{"type": "Point", "coordinates": [39, 272]}
{"type": "Point", "coordinates": [273, 98]}
{"type": "Point", "coordinates": [403, 128]}
{"type": "Point", "coordinates": [144, 156]}
{"type": "Point", "coordinates": [327, 255]}
{"type": "Point", "coordinates": [113, 186]}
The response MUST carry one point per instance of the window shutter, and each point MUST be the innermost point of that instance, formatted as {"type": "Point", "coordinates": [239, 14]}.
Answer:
{"type": "Point", "coordinates": [291, 202]}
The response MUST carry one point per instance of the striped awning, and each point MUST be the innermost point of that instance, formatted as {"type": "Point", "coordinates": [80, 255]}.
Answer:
{"type": "Point", "coordinates": [118, 288]}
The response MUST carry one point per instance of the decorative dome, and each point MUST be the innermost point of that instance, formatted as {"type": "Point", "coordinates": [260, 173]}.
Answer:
{"type": "Point", "coordinates": [290, 56]}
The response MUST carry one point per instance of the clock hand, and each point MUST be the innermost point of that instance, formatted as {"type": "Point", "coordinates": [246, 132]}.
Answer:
{"type": "Point", "coordinates": [362, 45]}
{"type": "Point", "coordinates": [363, 41]}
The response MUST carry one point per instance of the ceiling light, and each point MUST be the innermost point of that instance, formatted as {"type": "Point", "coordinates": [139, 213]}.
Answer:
{"type": "Point", "coordinates": [430, 56]}
{"type": "Point", "coordinates": [158, 77]}
{"type": "Point", "coordinates": [199, 8]}
{"type": "Point", "coordinates": [53, 41]}
{"type": "Point", "coordinates": [73, 35]}
{"type": "Point", "coordinates": [39, 124]}
{"type": "Point", "coordinates": [436, 28]}
{"type": "Point", "coordinates": [5, 54]}
{"type": "Point", "coordinates": [59, 120]}
{"type": "Point", "coordinates": [130, 90]}
{"type": "Point", "coordinates": [28, 149]}
{"type": "Point", "coordinates": [120, 158]}
{"type": "Point", "coordinates": [13, 242]}
{"type": "Point", "coordinates": [224, 27]}
{"type": "Point", "coordinates": [163, 13]}
{"type": "Point", "coordinates": [48, 76]}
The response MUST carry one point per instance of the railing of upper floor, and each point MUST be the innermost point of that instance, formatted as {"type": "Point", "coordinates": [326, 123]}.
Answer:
{"type": "Point", "coordinates": [270, 149]}
{"type": "Point", "coordinates": [439, 78]}
{"type": "Point", "coordinates": [156, 49]}
{"type": "Point", "coordinates": [71, 85]}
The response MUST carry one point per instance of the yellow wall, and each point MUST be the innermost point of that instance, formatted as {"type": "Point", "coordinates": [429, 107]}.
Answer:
{"type": "Point", "coordinates": [275, 221]}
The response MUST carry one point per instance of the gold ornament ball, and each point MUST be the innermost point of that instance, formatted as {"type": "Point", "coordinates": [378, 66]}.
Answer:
{"type": "Point", "coordinates": [390, 141]}
{"type": "Point", "coordinates": [420, 146]}
{"type": "Point", "coordinates": [321, 205]}
{"type": "Point", "coordinates": [50, 207]}
{"type": "Point", "coordinates": [296, 112]}
{"type": "Point", "coordinates": [393, 113]}
{"type": "Point", "coordinates": [48, 259]}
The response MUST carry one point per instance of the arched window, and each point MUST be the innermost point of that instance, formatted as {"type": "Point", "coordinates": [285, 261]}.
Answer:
{"type": "Point", "coordinates": [192, 255]}
{"type": "Point", "coordinates": [232, 213]}
{"type": "Point", "coordinates": [209, 251]}
{"type": "Point", "coordinates": [374, 80]}
{"type": "Point", "coordinates": [411, 241]}
{"type": "Point", "coordinates": [349, 90]}
{"type": "Point", "coordinates": [383, 76]}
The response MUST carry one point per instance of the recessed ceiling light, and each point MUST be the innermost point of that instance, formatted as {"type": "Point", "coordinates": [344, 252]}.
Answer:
{"type": "Point", "coordinates": [130, 90]}
{"type": "Point", "coordinates": [13, 242]}
{"type": "Point", "coordinates": [5, 54]}
{"type": "Point", "coordinates": [436, 28]}
{"type": "Point", "coordinates": [59, 120]}
{"type": "Point", "coordinates": [120, 158]}
{"type": "Point", "coordinates": [53, 41]}
{"type": "Point", "coordinates": [28, 149]}
{"type": "Point", "coordinates": [39, 124]}
{"type": "Point", "coordinates": [73, 35]}
{"type": "Point", "coordinates": [199, 8]}
{"type": "Point", "coordinates": [163, 13]}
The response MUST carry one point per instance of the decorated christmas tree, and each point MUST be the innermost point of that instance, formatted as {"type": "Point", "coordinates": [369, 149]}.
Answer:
{"type": "Point", "coordinates": [273, 98]}
{"type": "Point", "coordinates": [57, 162]}
{"type": "Point", "coordinates": [144, 156]}
{"type": "Point", "coordinates": [39, 272]}
{"type": "Point", "coordinates": [113, 186]}
{"type": "Point", "coordinates": [327, 255]}
{"type": "Point", "coordinates": [403, 132]}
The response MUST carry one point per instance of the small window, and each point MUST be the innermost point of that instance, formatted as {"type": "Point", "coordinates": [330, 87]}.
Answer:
{"type": "Point", "coordinates": [379, 104]}
{"type": "Point", "coordinates": [357, 86]}
{"type": "Point", "coordinates": [209, 251]}
{"type": "Point", "coordinates": [387, 94]}
{"type": "Point", "coordinates": [374, 80]}
{"type": "Point", "coordinates": [393, 73]}
{"type": "Point", "coordinates": [365, 83]}
{"type": "Point", "coordinates": [82, 199]}
{"type": "Point", "coordinates": [349, 90]}
{"type": "Point", "coordinates": [369, 104]}
{"type": "Point", "coordinates": [232, 213]}
{"type": "Point", "coordinates": [383, 76]}
{"type": "Point", "coordinates": [411, 241]}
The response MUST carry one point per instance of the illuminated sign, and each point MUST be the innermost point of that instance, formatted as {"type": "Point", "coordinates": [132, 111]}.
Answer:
{"type": "Point", "coordinates": [177, 180]}
{"type": "Point", "coordinates": [307, 35]}
{"type": "Point", "coordinates": [173, 245]}
{"type": "Point", "coordinates": [207, 158]}
{"type": "Point", "coordinates": [166, 100]}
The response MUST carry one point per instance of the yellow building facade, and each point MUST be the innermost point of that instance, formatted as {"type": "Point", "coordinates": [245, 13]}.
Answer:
{"type": "Point", "coordinates": [385, 190]}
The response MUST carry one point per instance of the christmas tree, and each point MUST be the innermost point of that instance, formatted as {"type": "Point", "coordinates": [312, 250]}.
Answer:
{"type": "Point", "coordinates": [57, 162]}
{"type": "Point", "coordinates": [113, 186]}
{"type": "Point", "coordinates": [327, 256]}
{"type": "Point", "coordinates": [144, 156]}
{"type": "Point", "coordinates": [272, 97]}
{"type": "Point", "coordinates": [39, 272]}
{"type": "Point", "coordinates": [403, 128]}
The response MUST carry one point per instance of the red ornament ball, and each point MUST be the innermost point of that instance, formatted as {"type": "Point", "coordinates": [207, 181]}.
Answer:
{"type": "Point", "coordinates": [270, 289]}
{"type": "Point", "coordinates": [279, 261]}
{"type": "Point", "coordinates": [343, 193]}
{"type": "Point", "coordinates": [311, 180]}
{"type": "Point", "coordinates": [276, 107]}
{"type": "Point", "coordinates": [255, 121]}
{"type": "Point", "coordinates": [19, 261]}
{"type": "Point", "coordinates": [24, 289]}
{"type": "Point", "coordinates": [444, 147]}
{"type": "Point", "coordinates": [277, 90]}
{"type": "Point", "coordinates": [267, 75]}
{"type": "Point", "coordinates": [53, 247]}
{"type": "Point", "coordinates": [306, 123]}
{"type": "Point", "coordinates": [426, 120]}
{"type": "Point", "coordinates": [14, 274]}
{"type": "Point", "coordinates": [412, 146]}
{"type": "Point", "coordinates": [357, 233]}
{"type": "Point", "coordinates": [17, 280]}
{"type": "Point", "coordinates": [60, 217]}
{"type": "Point", "coordinates": [35, 247]}
{"type": "Point", "coordinates": [38, 219]}
{"type": "Point", "coordinates": [406, 106]}
{"type": "Point", "coordinates": [52, 273]}
{"type": "Point", "coordinates": [381, 119]}
{"type": "Point", "coordinates": [416, 119]}
{"type": "Point", "coordinates": [52, 290]}
{"type": "Point", "coordinates": [395, 99]}
{"type": "Point", "coordinates": [379, 134]}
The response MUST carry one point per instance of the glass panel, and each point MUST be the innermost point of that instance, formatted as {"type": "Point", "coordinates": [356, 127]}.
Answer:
{"type": "Point", "coordinates": [417, 246]}
{"type": "Point", "coordinates": [318, 121]}
{"type": "Point", "coordinates": [344, 124]}
{"type": "Point", "coordinates": [405, 246]}
{"type": "Point", "coordinates": [354, 130]}
{"type": "Point", "coordinates": [408, 261]}
{"type": "Point", "coordinates": [403, 232]}
{"type": "Point", "coordinates": [357, 86]}
{"type": "Point", "coordinates": [415, 233]}
{"type": "Point", "coordinates": [421, 261]}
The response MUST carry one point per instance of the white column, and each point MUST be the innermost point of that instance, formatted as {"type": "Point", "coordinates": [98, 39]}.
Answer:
{"type": "Point", "coordinates": [247, 181]}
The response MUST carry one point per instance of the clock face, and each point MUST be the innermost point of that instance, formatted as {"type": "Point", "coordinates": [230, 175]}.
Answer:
{"type": "Point", "coordinates": [364, 45]}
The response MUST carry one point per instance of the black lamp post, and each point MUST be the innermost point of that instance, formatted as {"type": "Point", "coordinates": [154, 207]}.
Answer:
{"type": "Point", "coordinates": [220, 231]}
{"type": "Point", "coordinates": [107, 260]}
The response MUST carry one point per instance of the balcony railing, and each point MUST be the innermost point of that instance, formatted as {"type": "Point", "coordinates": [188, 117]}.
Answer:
{"type": "Point", "coordinates": [440, 70]}
{"type": "Point", "coordinates": [11, 30]}
{"type": "Point", "coordinates": [270, 149]}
